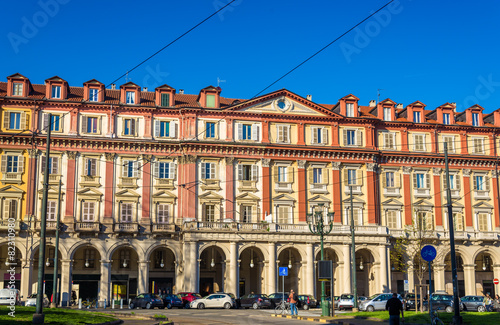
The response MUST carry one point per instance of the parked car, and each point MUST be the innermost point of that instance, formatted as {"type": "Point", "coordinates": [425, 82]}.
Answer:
{"type": "Point", "coordinates": [361, 299]}
{"type": "Point", "coordinates": [31, 301]}
{"type": "Point", "coordinates": [335, 301]}
{"type": "Point", "coordinates": [187, 297]}
{"type": "Point", "coordinates": [377, 302]}
{"type": "Point", "coordinates": [409, 301]}
{"type": "Point", "coordinates": [308, 301]}
{"type": "Point", "coordinates": [147, 300]}
{"type": "Point", "coordinates": [171, 300]}
{"type": "Point", "coordinates": [215, 300]}
{"type": "Point", "coordinates": [277, 297]}
{"type": "Point", "coordinates": [255, 300]}
{"type": "Point", "coordinates": [440, 302]}
{"type": "Point", "coordinates": [346, 301]}
{"type": "Point", "coordinates": [472, 303]}
{"type": "Point", "coordinates": [7, 294]}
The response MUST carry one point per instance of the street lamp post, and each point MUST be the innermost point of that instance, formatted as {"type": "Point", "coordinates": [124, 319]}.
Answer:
{"type": "Point", "coordinates": [318, 227]}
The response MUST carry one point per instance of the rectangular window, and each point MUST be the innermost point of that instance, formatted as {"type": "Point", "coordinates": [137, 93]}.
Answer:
{"type": "Point", "coordinates": [389, 140]}
{"type": "Point", "coordinates": [10, 210]}
{"type": "Point", "coordinates": [55, 123]}
{"type": "Point", "coordinates": [282, 174]}
{"type": "Point", "coordinates": [349, 109]}
{"type": "Point", "coordinates": [351, 177]}
{"type": "Point", "coordinates": [129, 168]}
{"type": "Point", "coordinates": [51, 210]}
{"type": "Point", "coordinates": [458, 221]}
{"type": "Point", "coordinates": [284, 216]}
{"type": "Point", "coordinates": [126, 212]}
{"type": "Point", "coordinates": [387, 114]}
{"type": "Point", "coordinates": [317, 175]}
{"type": "Point", "coordinates": [210, 130]}
{"type": "Point", "coordinates": [420, 180]}
{"type": "Point", "coordinates": [479, 184]}
{"type": "Point", "coordinates": [17, 89]}
{"type": "Point", "coordinates": [130, 97]}
{"type": "Point", "coordinates": [482, 222]}
{"type": "Point", "coordinates": [416, 117]}
{"type": "Point", "coordinates": [165, 100]}
{"type": "Point", "coordinates": [88, 211]}
{"type": "Point", "coordinates": [450, 143]}
{"type": "Point", "coordinates": [392, 219]}
{"type": "Point", "coordinates": [283, 133]}
{"type": "Point", "coordinates": [356, 215]}
{"type": "Point", "coordinates": [424, 220]}
{"type": "Point", "coordinates": [56, 91]}
{"type": "Point", "coordinates": [453, 178]}
{"type": "Point", "coordinates": [246, 213]}
{"type": "Point", "coordinates": [475, 119]}
{"type": "Point", "coordinates": [163, 213]}
{"type": "Point", "coordinates": [351, 137]}
{"type": "Point", "coordinates": [478, 145]}
{"type": "Point", "coordinates": [15, 121]}
{"type": "Point", "coordinates": [93, 94]}
{"type": "Point", "coordinates": [210, 100]}
{"type": "Point", "coordinates": [53, 165]}
{"type": "Point", "coordinates": [246, 132]}
{"type": "Point", "coordinates": [91, 125]}
{"type": "Point", "coordinates": [319, 135]}
{"type": "Point", "coordinates": [419, 142]}
{"type": "Point", "coordinates": [389, 179]}
{"type": "Point", "coordinates": [12, 164]}
{"type": "Point", "coordinates": [129, 127]}
{"type": "Point", "coordinates": [208, 171]}
{"type": "Point", "coordinates": [164, 170]}
{"type": "Point", "coordinates": [90, 167]}
{"type": "Point", "coordinates": [209, 213]}
{"type": "Point", "coordinates": [446, 118]}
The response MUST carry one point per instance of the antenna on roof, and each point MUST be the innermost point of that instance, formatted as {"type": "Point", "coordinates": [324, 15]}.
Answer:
{"type": "Point", "coordinates": [219, 81]}
{"type": "Point", "coordinates": [127, 79]}
{"type": "Point", "coordinates": [378, 95]}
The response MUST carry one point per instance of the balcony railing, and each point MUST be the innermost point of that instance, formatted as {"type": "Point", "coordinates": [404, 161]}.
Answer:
{"type": "Point", "coordinates": [5, 225]}
{"type": "Point", "coordinates": [126, 227]}
{"type": "Point", "coordinates": [87, 226]}
{"type": "Point", "coordinates": [49, 225]}
{"type": "Point", "coordinates": [162, 227]}
{"type": "Point", "coordinates": [12, 177]}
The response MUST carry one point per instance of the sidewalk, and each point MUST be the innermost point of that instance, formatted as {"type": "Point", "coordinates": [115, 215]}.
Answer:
{"type": "Point", "coordinates": [335, 320]}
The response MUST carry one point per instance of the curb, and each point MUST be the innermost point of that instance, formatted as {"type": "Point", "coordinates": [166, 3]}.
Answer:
{"type": "Point", "coordinates": [115, 322]}
{"type": "Point", "coordinates": [323, 320]}
{"type": "Point", "coordinates": [126, 315]}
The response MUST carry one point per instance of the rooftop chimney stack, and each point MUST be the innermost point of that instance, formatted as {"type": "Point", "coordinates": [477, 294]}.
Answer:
{"type": "Point", "coordinates": [454, 106]}
{"type": "Point", "coordinates": [181, 91]}
{"type": "Point", "coordinates": [145, 89]}
{"type": "Point", "coordinates": [373, 103]}
{"type": "Point", "coordinates": [113, 86]}
{"type": "Point", "coordinates": [310, 98]}
{"type": "Point", "coordinates": [399, 106]}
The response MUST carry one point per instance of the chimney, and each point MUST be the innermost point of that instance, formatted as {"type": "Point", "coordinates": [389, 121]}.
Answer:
{"type": "Point", "coordinates": [145, 89]}
{"type": "Point", "coordinates": [113, 86]}
{"type": "Point", "coordinates": [181, 91]}
{"type": "Point", "coordinates": [310, 98]}
{"type": "Point", "coordinates": [399, 106]}
{"type": "Point", "coordinates": [454, 106]}
{"type": "Point", "coordinates": [373, 103]}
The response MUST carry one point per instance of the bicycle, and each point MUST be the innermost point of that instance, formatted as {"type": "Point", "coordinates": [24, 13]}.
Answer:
{"type": "Point", "coordinates": [282, 307]}
{"type": "Point", "coordinates": [89, 303]}
{"type": "Point", "coordinates": [435, 319]}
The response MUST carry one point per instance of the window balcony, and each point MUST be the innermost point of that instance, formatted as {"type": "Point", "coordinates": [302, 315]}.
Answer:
{"type": "Point", "coordinates": [356, 189]}
{"type": "Point", "coordinates": [126, 228]}
{"type": "Point", "coordinates": [165, 183]}
{"type": "Point", "coordinates": [53, 178]}
{"type": "Point", "coordinates": [89, 180]}
{"type": "Point", "coordinates": [283, 187]}
{"type": "Point", "coordinates": [250, 186]}
{"type": "Point", "coordinates": [87, 227]}
{"type": "Point", "coordinates": [49, 225]}
{"type": "Point", "coordinates": [318, 188]}
{"type": "Point", "coordinates": [128, 182]}
{"type": "Point", "coordinates": [6, 225]}
{"type": "Point", "coordinates": [210, 184]}
{"type": "Point", "coordinates": [12, 178]}
{"type": "Point", "coordinates": [422, 192]}
{"type": "Point", "coordinates": [392, 191]}
{"type": "Point", "coordinates": [481, 195]}
{"type": "Point", "coordinates": [163, 228]}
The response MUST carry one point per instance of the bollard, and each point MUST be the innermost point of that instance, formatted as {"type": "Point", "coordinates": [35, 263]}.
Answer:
{"type": "Point", "coordinates": [96, 304]}
{"type": "Point", "coordinates": [121, 303]}
{"type": "Point", "coordinates": [80, 303]}
{"type": "Point", "coordinates": [113, 304]}
{"type": "Point", "coordinates": [105, 303]}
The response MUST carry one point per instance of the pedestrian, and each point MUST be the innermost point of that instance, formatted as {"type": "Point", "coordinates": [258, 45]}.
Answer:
{"type": "Point", "coordinates": [293, 302]}
{"type": "Point", "coordinates": [488, 302]}
{"type": "Point", "coordinates": [394, 306]}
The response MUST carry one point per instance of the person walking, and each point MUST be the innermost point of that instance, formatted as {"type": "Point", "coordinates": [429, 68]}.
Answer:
{"type": "Point", "coordinates": [294, 298]}
{"type": "Point", "coordinates": [488, 302]}
{"type": "Point", "coordinates": [394, 305]}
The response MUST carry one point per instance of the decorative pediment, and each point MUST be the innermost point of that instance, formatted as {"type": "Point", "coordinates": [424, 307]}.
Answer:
{"type": "Point", "coordinates": [482, 205]}
{"type": "Point", "coordinates": [89, 193]}
{"type": "Point", "coordinates": [392, 203]}
{"type": "Point", "coordinates": [247, 197]}
{"type": "Point", "coordinates": [164, 197]}
{"type": "Point", "coordinates": [210, 197]}
{"type": "Point", "coordinates": [423, 203]}
{"type": "Point", "coordinates": [354, 199]}
{"type": "Point", "coordinates": [319, 199]}
{"type": "Point", "coordinates": [127, 194]}
{"type": "Point", "coordinates": [52, 192]}
{"type": "Point", "coordinates": [284, 197]}
{"type": "Point", "coordinates": [11, 191]}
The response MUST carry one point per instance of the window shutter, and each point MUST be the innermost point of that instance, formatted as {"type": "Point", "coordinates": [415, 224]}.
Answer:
{"type": "Point", "coordinates": [135, 167]}
{"type": "Point", "coordinates": [344, 134]}
{"type": "Point", "coordinates": [42, 164]}
{"type": "Point", "coordinates": [4, 164]}
{"type": "Point", "coordinates": [457, 182]}
{"type": "Point", "coordinates": [415, 183]}
{"type": "Point", "coordinates": [276, 176]}
{"type": "Point", "coordinates": [60, 118]}
{"type": "Point", "coordinates": [359, 177]}
{"type": "Point", "coordinates": [324, 135]}
{"type": "Point", "coordinates": [474, 182]}
{"type": "Point", "coordinates": [324, 176]}
{"type": "Point", "coordinates": [86, 170]}
{"type": "Point", "coordinates": [99, 122]}
{"type": "Point", "coordinates": [444, 182]}
{"type": "Point", "coordinates": [311, 176]}
{"type": "Point", "coordinates": [359, 138]}
{"type": "Point", "coordinates": [255, 172]}
{"type": "Point", "coordinates": [24, 121]}
{"type": "Point", "coordinates": [45, 121]}
{"type": "Point", "coordinates": [6, 205]}
{"type": "Point", "coordinates": [289, 176]}
{"type": "Point", "coordinates": [132, 127]}
{"type": "Point", "coordinates": [240, 172]}
{"type": "Point", "coordinates": [255, 132]}
{"type": "Point", "coordinates": [156, 169]}
{"type": "Point", "coordinates": [171, 170]}
{"type": "Point", "coordinates": [384, 180]}
{"type": "Point", "coordinates": [172, 129]}
{"type": "Point", "coordinates": [55, 165]}
{"type": "Point", "coordinates": [93, 167]}
{"type": "Point", "coordinates": [397, 180]}
{"type": "Point", "coordinates": [239, 128]}
{"type": "Point", "coordinates": [6, 120]}
{"type": "Point", "coordinates": [157, 128]}
{"type": "Point", "coordinates": [487, 181]}
{"type": "Point", "coordinates": [459, 222]}
{"type": "Point", "coordinates": [287, 136]}
{"type": "Point", "coordinates": [314, 135]}
{"type": "Point", "coordinates": [346, 176]}
{"type": "Point", "coordinates": [125, 168]}
{"type": "Point", "coordinates": [203, 171]}
{"type": "Point", "coordinates": [84, 124]}
{"type": "Point", "coordinates": [427, 181]}
{"type": "Point", "coordinates": [212, 171]}
{"type": "Point", "coordinates": [429, 221]}
{"type": "Point", "coordinates": [280, 133]}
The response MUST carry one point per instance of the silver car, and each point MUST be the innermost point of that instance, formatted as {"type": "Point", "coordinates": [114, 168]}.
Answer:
{"type": "Point", "coordinates": [215, 300]}
{"type": "Point", "coordinates": [377, 302]}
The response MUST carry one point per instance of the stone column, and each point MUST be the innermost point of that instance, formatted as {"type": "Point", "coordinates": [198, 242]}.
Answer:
{"type": "Point", "coordinates": [384, 269]}
{"type": "Point", "coordinates": [26, 277]}
{"type": "Point", "coordinates": [346, 281]}
{"type": "Point", "coordinates": [496, 275]}
{"type": "Point", "coordinates": [470, 279]}
{"type": "Point", "coordinates": [411, 277]}
{"type": "Point", "coordinates": [104, 285]}
{"type": "Point", "coordinates": [143, 276]}
{"type": "Point", "coordinates": [195, 267]}
{"type": "Point", "coordinates": [66, 279]}
{"type": "Point", "coordinates": [309, 275]}
{"type": "Point", "coordinates": [439, 277]}
{"type": "Point", "coordinates": [272, 268]}
{"type": "Point", "coordinates": [233, 269]}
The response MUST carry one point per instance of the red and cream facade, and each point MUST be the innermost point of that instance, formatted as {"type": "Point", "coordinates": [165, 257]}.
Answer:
{"type": "Point", "coordinates": [170, 191]}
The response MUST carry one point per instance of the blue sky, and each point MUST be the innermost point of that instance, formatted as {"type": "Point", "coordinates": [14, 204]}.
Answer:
{"type": "Point", "coordinates": [432, 51]}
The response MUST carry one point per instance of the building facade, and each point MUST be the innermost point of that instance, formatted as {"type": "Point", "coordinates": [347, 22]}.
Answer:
{"type": "Point", "coordinates": [163, 190]}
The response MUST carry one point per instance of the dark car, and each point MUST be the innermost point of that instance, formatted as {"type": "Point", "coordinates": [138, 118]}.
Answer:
{"type": "Point", "coordinates": [255, 301]}
{"type": "Point", "coordinates": [440, 302]}
{"type": "Point", "coordinates": [472, 303]}
{"type": "Point", "coordinates": [307, 301]}
{"type": "Point", "coordinates": [277, 297]}
{"type": "Point", "coordinates": [147, 300]}
{"type": "Point", "coordinates": [409, 301]}
{"type": "Point", "coordinates": [187, 297]}
{"type": "Point", "coordinates": [171, 300]}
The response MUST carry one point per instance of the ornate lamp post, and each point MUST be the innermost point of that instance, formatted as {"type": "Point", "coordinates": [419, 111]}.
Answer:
{"type": "Point", "coordinates": [318, 225]}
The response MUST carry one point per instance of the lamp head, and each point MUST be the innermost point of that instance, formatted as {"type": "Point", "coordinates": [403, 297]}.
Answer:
{"type": "Point", "coordinates": [48, 262]}
{"type": "Point", "coordinates": [251, 264]}
{"type": "Point", "coordinates": [125, 263]}
{"type": "Point", "coordinates": [162, 264]}
{"type": "Point", "coordinates": [87, 264]}
{"type": "Point", "coordinates": [212, 264]}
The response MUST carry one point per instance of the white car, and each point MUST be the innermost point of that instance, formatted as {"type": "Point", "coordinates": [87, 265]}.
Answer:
{"type": "Point", "coordinates": [32, 300]}
{"type": "Point", "coordinates": [215, 300]}
{"type": "Point", "coordinates": [7, 294]}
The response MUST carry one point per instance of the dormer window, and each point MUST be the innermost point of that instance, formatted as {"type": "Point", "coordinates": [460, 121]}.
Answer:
{"type": "Point", "coordinates": [93, 94]}
{"type": "Point", "coordinates": [130, 97]}
{"type": "Point", "coordinates": [56, 92]}
{"type": "Point", "coordinates": [446, 118]}
{"type": "Point", "coordinates": [349, 110]}
{"type": "Point", "coordinates": [165, 100]}
{"type": "Point", "coordinates": [387, 114]}
{"type": "Point", "coordinates": [17, 89]}
{"type": "Point", "coordinates": [211, 101]}
{"type": "Point", "coordinates": [475, 119]}
{"type": "Point", "coordinates": [416, 117]}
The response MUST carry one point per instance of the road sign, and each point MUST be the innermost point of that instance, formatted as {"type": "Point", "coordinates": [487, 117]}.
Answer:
{"type": "Point", "coordinates": [495, 281]}
{"type": "Point", "coordinates": [283, 271]}
{"type": "Point", "coordinates": [406, 285]}
{"type": "Point", "coordinates": [428, 253]}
